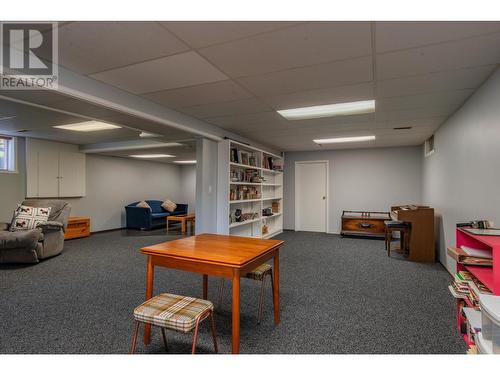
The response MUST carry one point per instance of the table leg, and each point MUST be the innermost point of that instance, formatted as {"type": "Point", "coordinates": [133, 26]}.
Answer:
{"type": "Point", "coordinates": [236, 312]}
{"type": "Point", "coordinates": [276, 288]}
{"type": "Point", "coordinates": [183, 226]}
{"type": "Point", "coordinates": [150, 272]}
{"type": "Point", "coordinates": [205, 286]}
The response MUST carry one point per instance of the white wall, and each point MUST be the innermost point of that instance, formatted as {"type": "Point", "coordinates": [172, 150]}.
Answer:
{"type": "Point", "coordinates": [188, 186]}
{"type": "Point", "coordinates": [13, 186]}
{"type": "Point", "coordinates": [111, 183]}
{"type": "Point", "coordinates": [206, 186]}
{"type": "Point", "coordinates": [114, 182]}
{"type": "Point", "coordinates": [362, 179]}
{"type": "Point", "coordinates": [461, 180]}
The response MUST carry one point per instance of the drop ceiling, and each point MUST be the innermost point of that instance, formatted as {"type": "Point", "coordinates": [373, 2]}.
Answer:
{"type": "Point", "coordinates": [235, 75]}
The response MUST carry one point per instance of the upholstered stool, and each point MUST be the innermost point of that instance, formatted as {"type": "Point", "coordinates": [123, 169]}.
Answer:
{"type": "Point", "coordinates": [258, 274]}
{"type": "Point", "coordinates": [397, 226]}
{"type": "Point", "coordinates": [178, 313]}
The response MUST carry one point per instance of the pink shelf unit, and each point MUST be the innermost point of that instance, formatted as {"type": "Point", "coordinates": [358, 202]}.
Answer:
{"type": "Point", "coordinates": [489, 276]}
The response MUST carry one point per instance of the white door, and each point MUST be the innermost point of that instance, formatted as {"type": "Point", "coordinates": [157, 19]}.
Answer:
{"type": "Point", "coordinates": [71, 174]}
{"type": "Point", "coordinates": [311, 181]}
{"type": "Point", "coordinates": [48, 174]}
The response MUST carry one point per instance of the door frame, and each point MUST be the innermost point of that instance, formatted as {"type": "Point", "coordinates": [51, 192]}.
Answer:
{"type": "Point", "coordinates": [327, 183]}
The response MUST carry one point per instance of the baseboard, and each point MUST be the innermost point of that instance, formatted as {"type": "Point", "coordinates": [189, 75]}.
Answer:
{"type": "Point", "coordinates": [107, 230]}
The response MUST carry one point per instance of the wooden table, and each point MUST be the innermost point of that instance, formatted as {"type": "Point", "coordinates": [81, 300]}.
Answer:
{"type": "Point", "coordinates": [215, 255]}
{"type": "Point", "coordinates": [187, 218]}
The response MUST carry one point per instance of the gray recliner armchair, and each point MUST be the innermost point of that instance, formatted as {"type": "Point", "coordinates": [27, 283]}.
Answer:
{"type": "Point", "coordinates": [32, 245]}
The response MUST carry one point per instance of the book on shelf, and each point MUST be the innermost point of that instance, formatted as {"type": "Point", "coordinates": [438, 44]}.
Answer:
{"type": "Point", "coordinates": [479, 253]}
{"type": "Point", "coordinates": [462, 256]}
{"type": "Point", "coordinates": [467, 287]}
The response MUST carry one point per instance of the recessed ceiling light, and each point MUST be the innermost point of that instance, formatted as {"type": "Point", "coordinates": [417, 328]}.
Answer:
{"type": "Point", "coordinates": [329, 110]}
{"type": "Point", "coordinates": [363, 138]}
{"type": "Point", "coordinates": [185, 161]}
{"type": "Point", "coordinates": [88, 126]}
{"type": "Point", "coordinates": [152, 156]}
{"type": "Point", "coordinates": [148, 135]}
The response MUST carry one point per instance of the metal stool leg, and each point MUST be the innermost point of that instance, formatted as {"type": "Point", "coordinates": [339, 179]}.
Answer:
{"type": "Point", "coordinates": [221, 292]}
{"type": "Point", "coordinates": [261, 298]}
{"type": "Point", "coordinates": [214, 333]}
{"type": "Point", "coordinates": [164, 337]}
{"type": "Point", "coordinates": [134, 338]}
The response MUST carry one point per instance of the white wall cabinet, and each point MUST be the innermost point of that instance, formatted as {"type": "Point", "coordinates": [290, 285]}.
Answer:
{"type": "Point", "coordinates": [54, 174]}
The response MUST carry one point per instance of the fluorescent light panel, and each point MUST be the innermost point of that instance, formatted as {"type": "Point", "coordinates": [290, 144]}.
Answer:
{"type": "Point", "coordinates": [185, 161]}
{"type": "Point", "coordinates": [152, 156]}
{"type": "Point", "coordinates": [363, 138]}
{"type": "Point", "coordinates": [88, 126]}
{"type": "Point", "coordinates": [329, 110]}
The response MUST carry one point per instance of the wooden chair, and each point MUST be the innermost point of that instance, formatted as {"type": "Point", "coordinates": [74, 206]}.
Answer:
{"type": "Point", "coordinates": [178, 313]}
{"type": "Point", "coordinates": [258, 274]}
{"type": "Point", "coordinates": [404, 228]}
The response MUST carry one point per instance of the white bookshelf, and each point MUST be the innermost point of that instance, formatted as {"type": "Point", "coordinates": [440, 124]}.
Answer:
{"type": "Point", "coordinates": [250, 186]}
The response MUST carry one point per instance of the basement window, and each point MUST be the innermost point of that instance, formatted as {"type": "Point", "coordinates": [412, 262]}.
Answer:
{"type": "Point", "coordinates": [7, 154]}
{"type": "Point", "coordinates": [429, 146]}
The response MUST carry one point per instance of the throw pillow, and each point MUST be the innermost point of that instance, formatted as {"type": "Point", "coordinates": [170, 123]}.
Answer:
{"type": "Point", "coordinates": [169, 205]}
{"type": "Point", "coordinates": [26, 217]}
{"type": "Point", "coordinates": [143, 204]}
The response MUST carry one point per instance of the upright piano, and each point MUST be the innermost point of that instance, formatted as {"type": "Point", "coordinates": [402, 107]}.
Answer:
{"type": "Point", "coordinates": [422, 239]}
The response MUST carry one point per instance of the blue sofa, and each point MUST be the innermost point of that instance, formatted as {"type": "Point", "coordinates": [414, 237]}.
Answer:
{"type": "Point", "coordinates": [146, 219]}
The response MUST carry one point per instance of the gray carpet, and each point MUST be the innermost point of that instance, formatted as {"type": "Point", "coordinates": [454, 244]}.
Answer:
{"type": "Point", "coordinates": [337, 295]}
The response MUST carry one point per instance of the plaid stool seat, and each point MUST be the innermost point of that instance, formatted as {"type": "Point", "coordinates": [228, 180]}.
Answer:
{"type": "Point", "coordinates": [259, 272]}
{"type": "Point", "coordinates": [178, 313]}
{"type": "Point", "coordinates": [172, 311]}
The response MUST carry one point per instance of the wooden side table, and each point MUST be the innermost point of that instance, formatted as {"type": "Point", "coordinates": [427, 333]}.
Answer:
{"type": "Point", "coordinates": [78, 227]}
{"type": "Point", "coordinates": [183, 219]}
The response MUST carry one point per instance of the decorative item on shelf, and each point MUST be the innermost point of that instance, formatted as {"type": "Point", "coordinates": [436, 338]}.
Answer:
{"type": "Point", "coordinates": [267, 211]}
{"type": "Point", "coordinates": [258, 179]}
{"type": "Point", "coordinates": [237, 215]}
{"type": "Point", "coordinates": [265, 229]}
{"type": "Point", "coordinates": [244, 157]}
{"type": "Point", "coordinates": [277, 165]}
{"type": "Point", "coordinates": [234, 155]}
{"type": "Point", "coordinates": [252, 160]}
{"type": "Point", "coordinates": [276, 207]}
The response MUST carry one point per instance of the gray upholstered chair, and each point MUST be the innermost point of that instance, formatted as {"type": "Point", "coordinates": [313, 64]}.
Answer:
{"type": "Point", "coordinates": [32, 245]}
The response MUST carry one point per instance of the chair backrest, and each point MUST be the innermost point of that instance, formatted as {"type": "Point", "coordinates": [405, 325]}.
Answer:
{"type": "Point", "coordinates": [59, 212]}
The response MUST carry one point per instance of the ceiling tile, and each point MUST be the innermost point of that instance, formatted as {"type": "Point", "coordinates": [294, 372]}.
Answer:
{"type": "Point", "coordinates": [447, 56]}
{"type": "Point", "coordinates": [201, 34]}
{"type": "Point", "coordinates": [392, 36]}
{"type": "Point", "coordinates": [413, 114]}
{"type": "Point", "coordinates": [339, 73]}
{"type": "Point", "coordinates": [221, 91]}
{"type": "Point", "coordinates": [246, 119]}
{"type": "Point", "coordinates": [439, 99]}
{"type": "Point", "coordinates": [469, 78]}
{"type": "Point", "coordinates": [342, 94]}
{"type": "Point", "coordinates": [302, 45]}
{"type": "Point", "coordinates": [89, 47]}
{"type": "Point", "coordinates": [237, 107]}
{"type": "Point", "coordinates": [185, 69]}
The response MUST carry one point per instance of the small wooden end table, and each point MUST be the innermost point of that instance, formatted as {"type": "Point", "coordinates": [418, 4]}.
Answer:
{"type": "Point", "coordinates": [78, 227]}
{"type": "Point", "coordinates": [183, 219]}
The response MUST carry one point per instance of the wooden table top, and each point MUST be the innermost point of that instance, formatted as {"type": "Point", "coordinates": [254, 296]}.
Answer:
{"type": "Point", "coordinates": [182, 216]}
{"type": "Point", "coordinates": [214, 248]}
